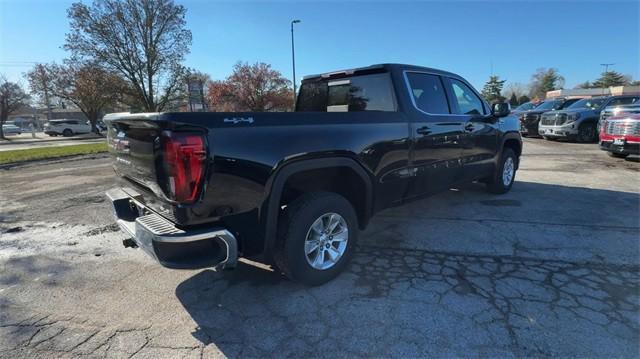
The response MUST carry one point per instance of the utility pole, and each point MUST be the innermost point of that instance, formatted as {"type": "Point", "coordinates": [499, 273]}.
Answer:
{"type": "Point", "coordinates": [293, 61]}
{"type": "Point", "coordinates": [45, 80]}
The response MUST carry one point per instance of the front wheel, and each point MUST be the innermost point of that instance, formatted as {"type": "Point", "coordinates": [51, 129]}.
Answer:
{"type": "Point", "coordinates": [67, 132]}
{"type": "Point", "coordinates": [317, 237]}
{"type": "Point", "coordinates": [502, 180]}
{"type": "Point", "coordinates": [587, 133]}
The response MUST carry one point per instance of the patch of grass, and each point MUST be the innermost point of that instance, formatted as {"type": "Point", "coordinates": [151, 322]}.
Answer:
{"type": "Point", "coordinates": [50, 152]}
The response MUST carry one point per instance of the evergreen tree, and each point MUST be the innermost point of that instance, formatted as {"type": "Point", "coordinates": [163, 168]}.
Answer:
{"type": "Point", "coordinates": [610, 78]}
{"type": "Point", "coordinates": [513, 101]}
{"type": "Point", "coordinates": [492, 89]}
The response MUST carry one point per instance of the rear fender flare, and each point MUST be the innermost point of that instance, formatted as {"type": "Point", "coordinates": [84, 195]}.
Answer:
{"type": "Point", "coordinates": [271, 206]}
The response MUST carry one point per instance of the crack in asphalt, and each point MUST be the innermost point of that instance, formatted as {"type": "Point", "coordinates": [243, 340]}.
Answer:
{"type": "Point", "coordinates": [509, 295]}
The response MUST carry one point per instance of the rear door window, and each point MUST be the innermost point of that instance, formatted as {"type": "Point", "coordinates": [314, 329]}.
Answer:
{"type": "Point", "coordinates": [428, 93]}
{"type": "Point", "coordinates": [358, 93]}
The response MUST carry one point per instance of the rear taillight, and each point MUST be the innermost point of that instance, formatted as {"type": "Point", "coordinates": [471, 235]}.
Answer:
{"type": "Point", "coordinates": [183, 157]}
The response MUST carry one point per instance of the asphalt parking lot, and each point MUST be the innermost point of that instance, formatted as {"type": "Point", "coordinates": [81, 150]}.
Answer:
{"type": "Point", "coordinates": [550, 269]}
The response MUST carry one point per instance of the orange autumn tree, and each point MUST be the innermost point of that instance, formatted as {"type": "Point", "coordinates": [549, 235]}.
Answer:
{"type": "Point", "coordinates": [253, 88]}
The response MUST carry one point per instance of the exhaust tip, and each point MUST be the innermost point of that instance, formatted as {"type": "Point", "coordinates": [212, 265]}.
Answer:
{"type": "Point", "coordinates": [129, 243]}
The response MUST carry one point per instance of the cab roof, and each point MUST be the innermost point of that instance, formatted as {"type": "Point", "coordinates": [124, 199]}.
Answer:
{"type": "Point", "coordinates": [387, 67]}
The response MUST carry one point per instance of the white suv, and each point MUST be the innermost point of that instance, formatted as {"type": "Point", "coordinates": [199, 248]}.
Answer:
{"type": "Point", "coordinates": [66, 127]}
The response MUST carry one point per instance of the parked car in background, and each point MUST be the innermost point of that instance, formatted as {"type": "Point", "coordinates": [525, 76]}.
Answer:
{"type": "Point", "coordinates": [525, 107]}
{"type": "Point", "coordinates": [529, 119]}
{"type": "Point", "coordinates": [66, 127]}
{"type": "Point", "coordinates": [611, 111]}
{"type": "Point", "coordinates": [10, 129]}
{"type": "Point", "coordinates": [579, 122]}
{"type": "Point", "coordinates": [620, 135]}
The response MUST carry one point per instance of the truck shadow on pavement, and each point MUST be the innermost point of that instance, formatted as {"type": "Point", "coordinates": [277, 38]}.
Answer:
{"type": "Point", "coordinates": [417, 303]}
{"type": "Point", "coordinates": [407, 294]}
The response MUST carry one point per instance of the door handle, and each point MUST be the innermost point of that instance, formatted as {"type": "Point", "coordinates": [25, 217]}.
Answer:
{"type": "Point", "coordinates": [424, 130]}
{"type": "Point", "coordinates": [469, 127]}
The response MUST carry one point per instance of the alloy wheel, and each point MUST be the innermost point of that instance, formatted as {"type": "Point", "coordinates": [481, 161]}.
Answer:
{"type": "Point", "coordinates": [326, 241]}
{"type": "Point", "coordinates": [508, 171]}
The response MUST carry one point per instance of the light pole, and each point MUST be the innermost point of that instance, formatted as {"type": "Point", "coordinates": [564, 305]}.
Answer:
{"type": "Point", "coordinates": [606, 67]}
{"type": "Point", "coordinates": [293, 61]}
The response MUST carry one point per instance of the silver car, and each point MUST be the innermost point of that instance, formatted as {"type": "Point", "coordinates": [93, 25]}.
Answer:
{"type": "Point", "coordinates": [9, 129]}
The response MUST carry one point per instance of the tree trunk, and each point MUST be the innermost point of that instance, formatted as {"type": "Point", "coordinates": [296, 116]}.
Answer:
{"type": "Point", "coordinates": [3, 119]}
{"type": "Point", "coordinates": [93, 120]}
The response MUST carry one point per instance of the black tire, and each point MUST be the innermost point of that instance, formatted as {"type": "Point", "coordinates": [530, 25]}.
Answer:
{"type": "Point", "coordinates": [618, 155]}
{"type": "Point", "coordinates": [496, 184]}
{"type": "Point", "coordinates": [587, 133]}
{"type": "Point", "coordinates": [294, 226]}
{"type": "Point", "coordinates": [67, 132]}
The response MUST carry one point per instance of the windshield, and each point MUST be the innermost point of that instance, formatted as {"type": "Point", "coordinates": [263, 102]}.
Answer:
{"type": "Point", "coordinates": [590, 103]}
{"type": "Point", "coordinates": [525, 106]}
{"type": "Point", "coordinates": [549, 105]}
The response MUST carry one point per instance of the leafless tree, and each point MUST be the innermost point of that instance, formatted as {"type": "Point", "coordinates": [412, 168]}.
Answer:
{"type": "Point", "coordinates": [144, 41]}
{"type": "Point", "coordinates": [87, 85]}
{"type": "Point", "coordinates": [543, 81]}
{"type": "Point", "coordinates": [516, 88]}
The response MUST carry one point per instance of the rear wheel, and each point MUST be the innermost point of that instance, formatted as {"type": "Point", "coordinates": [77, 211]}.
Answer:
{"type": "Point", "coordinates": [502, 180]}
{"type": "Point", "coordinates": [317, 237]}
{"type": "Point", "coordinates": [587, 133]}
{"type": "Point", "coordinates": [67, 132]}
{"type": "Point", "coordinates": [618, 155]}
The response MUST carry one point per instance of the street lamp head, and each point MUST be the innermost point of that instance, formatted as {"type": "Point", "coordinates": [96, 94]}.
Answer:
{"type": "Point", "coordinates": [295, 21]}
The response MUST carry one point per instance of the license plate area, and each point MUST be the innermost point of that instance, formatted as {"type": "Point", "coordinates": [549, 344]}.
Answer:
{"type": "Point", "coordinates": [618, 141]}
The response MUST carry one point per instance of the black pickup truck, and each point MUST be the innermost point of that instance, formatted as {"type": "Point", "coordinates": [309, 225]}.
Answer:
{"type": "Point", "coordinates": [293, 189]}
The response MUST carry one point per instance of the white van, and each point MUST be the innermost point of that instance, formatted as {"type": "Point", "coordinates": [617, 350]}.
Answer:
{"type": "Point", "coordinates": [66, 127]}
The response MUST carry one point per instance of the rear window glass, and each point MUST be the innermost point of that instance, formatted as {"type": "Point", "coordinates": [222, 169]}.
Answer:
{"type": "Point", "coordinates": [357, 93]}
{"type": "Point", "coordinates": [428, 93]}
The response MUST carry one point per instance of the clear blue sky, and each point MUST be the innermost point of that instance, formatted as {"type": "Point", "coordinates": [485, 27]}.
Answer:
{"type": "Point", "coordinates": [463, 37]}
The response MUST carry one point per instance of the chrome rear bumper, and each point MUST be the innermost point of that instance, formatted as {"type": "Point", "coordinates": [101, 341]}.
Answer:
{"type": "Point", "coordinates": [171, 246]}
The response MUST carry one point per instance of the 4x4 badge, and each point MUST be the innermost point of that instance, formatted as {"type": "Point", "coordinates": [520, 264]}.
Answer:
{"type": "Point", "coordinates": [236, 120]}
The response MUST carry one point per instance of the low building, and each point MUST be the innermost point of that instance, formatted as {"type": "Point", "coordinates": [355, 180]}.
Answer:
{"type": "Point", "coordinates": [580, 93]}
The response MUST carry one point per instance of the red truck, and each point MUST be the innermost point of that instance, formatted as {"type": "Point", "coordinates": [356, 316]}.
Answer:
{"type": "Point", "coordinates": [620, 135]}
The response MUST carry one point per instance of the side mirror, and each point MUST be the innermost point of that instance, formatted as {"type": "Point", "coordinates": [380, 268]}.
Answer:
{"type": "Point", "coordinates": [500, 109]}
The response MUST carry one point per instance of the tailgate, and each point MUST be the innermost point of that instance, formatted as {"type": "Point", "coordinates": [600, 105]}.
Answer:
{"type": "Point", "coordinates": [132, 140]}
